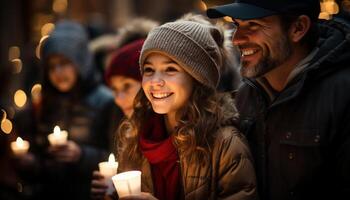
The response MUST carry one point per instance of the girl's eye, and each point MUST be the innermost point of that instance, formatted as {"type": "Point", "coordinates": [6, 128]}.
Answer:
{"type": "Point", "coordinates": [171, 69]}
{"type": "Point", "coordinates": [147, 70]}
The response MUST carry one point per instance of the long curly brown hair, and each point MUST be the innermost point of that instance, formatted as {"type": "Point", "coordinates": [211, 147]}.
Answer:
{"type": "Point", "coordinates": [200, 118]}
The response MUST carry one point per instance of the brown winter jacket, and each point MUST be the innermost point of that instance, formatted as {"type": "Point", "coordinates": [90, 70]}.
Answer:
{"type": "Point", "coordinates": [230, 174]}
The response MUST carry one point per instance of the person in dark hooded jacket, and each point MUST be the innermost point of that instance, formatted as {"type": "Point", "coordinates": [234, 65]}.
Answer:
{"type": "Point", "coordinates": [294, 104]}
{"type": "Point", "coordinates": [75, 100]}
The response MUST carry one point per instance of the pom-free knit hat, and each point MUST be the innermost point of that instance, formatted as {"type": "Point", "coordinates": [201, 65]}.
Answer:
{"type": "Point", "coordinates": [125, 62]}
{"type": "Point", "coordinates": [194, 46]}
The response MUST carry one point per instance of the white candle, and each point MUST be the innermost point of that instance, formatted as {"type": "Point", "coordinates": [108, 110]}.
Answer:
{"type": "Point", "coordinates": [127, 183]}
{"type": "Point", "coordinates": [58, 137]}
{"type": "Point", "coordinates": [109, 169]}
{"type": "Point", "coordinates": [20, 146]}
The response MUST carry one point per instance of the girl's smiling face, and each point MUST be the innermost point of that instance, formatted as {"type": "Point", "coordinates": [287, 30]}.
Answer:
{"type": "Point", "coordinates": [166, 85]}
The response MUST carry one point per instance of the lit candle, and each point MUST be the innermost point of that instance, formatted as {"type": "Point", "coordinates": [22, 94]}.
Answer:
{"type": "Point", "coordinates": [127, 183]}
{"type": "Point", "coordinates": [58, 137]}
{"type": "Point", "coordinates": [20, 147]}
{"type": "Point", "coordinates": [109, 169]}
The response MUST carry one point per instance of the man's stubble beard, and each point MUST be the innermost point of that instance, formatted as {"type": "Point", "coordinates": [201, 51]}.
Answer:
{"type": "Point", "coordinates": [283, 50]}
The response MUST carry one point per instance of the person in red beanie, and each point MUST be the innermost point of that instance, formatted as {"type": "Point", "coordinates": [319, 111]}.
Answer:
{"type": "Point", "coordinates": [124, 78]}
{"type": "Point", "coordinates": [123, 75]}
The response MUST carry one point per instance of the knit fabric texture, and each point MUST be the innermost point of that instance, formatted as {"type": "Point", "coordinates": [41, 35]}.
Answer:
{"type": "Point", "coordinates": [125, 62]}
{"type": "Point", "coordinates": [70, 39]}
{"type": "Point", "coordinates": [194, 46]}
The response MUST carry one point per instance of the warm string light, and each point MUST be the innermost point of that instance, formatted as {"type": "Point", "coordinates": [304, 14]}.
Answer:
{"type": "Point", "coordinates": [6, 124]}
{"type": "Point", "coordinates": [47, 28]}
{"type": "Point", "coordinates": [17, 65]}
{"type": "Point", "coordinates": [14, 53]}
{"type": "Point", "coordinates": [36, 93]}
{"type": "Point", "coordinates": [328, 8]}
{"type": "Point", "coordinates": [59, 6]}
{"type": "Point", "coordinates": [38, 48]}
{"type": "Point", "coordinates": [20, 98]}
{"type": "Point", "coordinates": [202, 6]}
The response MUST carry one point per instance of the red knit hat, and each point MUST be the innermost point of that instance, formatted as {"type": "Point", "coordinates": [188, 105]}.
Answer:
{"type": "Point", "coordinates": [125, 62]}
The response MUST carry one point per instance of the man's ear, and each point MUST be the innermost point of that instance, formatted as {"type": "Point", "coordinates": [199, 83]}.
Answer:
{"type": "Point", "coordinates": [299, 28]}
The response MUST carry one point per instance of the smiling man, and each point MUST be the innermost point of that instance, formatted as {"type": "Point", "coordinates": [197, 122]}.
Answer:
{"type": "Point", "coordinates": [294, 103]}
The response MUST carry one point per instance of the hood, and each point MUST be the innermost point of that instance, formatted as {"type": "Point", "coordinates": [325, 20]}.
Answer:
{"type": "Point", "coordinates": [333, 54]}
{"type": "Point", "coordinates": [70, 39]}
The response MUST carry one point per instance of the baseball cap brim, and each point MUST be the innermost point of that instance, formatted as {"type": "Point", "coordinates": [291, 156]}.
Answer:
{"type": "Point", "coordinates": [239, 11]}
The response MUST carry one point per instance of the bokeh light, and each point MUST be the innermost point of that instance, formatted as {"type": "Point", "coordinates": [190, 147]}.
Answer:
{"type": "Point", "coordinates": [36, 93]}
{"type": "Point", "coordinates": [331, 7]}
{"type": "Point", "coordinates": [6, 126]}
{"type": "Point", "coordinates": [14, 52]}
{"type": "Point", "coordinates": [17, 65]}
{"type": "Point", "coordinates": [202, 6]}
{"type": "Point", "coordinates": [228, 19]}
{"type": "Point", "coordinates": [59, 6]}
{"type": "Point", "coordinates": [324, 15]}
{"type": "Point", "coordinates": [47, 28]}
{"type": "Point", "coordinates": [4, 114]}
{"type": "Point", "coordinates": [38, 48]}
{"type": "Point", "coordinates": [20, 98]}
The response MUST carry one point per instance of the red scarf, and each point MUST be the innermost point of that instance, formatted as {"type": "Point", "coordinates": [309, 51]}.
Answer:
{"type": "Point", "coordinates": [162, 155]}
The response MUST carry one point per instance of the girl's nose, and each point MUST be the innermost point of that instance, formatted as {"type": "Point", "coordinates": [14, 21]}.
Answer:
{"type": "Point", "coordinates": [157, 80]}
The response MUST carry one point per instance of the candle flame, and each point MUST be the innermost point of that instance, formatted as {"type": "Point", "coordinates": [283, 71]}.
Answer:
{"type": "Point", "coordinates": [19, 142]}
{"type": "Point", "coordinates": [57, 130]}
{"type": "Point", "coordinates": [111, 158]}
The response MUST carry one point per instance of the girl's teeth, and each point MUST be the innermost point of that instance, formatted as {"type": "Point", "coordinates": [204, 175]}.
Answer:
{"type": "Point", "coordinates": [160, 95]}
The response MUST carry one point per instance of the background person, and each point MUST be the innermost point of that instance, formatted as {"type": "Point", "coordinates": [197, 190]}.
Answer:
{"type": "Point", "coordinates": [73, 99]}
{"type": "Point", "coordinates": [124, 78]}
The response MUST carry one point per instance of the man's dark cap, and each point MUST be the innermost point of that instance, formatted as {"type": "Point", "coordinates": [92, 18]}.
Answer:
{"type": "Point", "coordinates": [255, 9]}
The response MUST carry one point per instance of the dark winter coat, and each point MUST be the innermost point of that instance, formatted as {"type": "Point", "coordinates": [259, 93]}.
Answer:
{"type": "Point", "coordinates": [301, 139]}
{"type": "Point", "coordinates": [230, 174]}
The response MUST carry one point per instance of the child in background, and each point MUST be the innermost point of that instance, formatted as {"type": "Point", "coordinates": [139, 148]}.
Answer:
{"type": "Point", "coordinates": [75, 100]}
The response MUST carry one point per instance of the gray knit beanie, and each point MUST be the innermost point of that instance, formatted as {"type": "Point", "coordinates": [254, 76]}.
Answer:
{"type": "Point", "coordinates": [194, 46]}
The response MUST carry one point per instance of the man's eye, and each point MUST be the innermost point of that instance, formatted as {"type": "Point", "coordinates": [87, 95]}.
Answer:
{"type": "Point", "coordinates": [254, 26]}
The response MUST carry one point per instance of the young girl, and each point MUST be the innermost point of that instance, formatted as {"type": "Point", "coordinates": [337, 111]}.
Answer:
{"type": "Point", "coordinates": [179, 134]}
